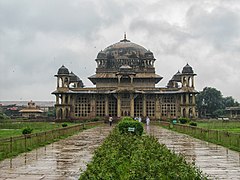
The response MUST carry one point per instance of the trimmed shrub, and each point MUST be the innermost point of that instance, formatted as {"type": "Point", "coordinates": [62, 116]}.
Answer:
{"type": "Point", "coordinates": [27, 130]}
{"type": "Point", "coordinates": [127, 119]}
{"type": "Point", "coordinates": [137, 157]}
{"type": "Point", "coordinates": [64, 125]}
{"type": "Point", "coordinates": [183, 120]}
{"type": "Point", "coordinates": [128, 125]}
{"type": "Point", "coordinates": [193, 124]}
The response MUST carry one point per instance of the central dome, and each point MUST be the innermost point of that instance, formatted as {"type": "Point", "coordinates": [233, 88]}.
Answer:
{"type": "Point", "coordinates": [124, 53]}
{"type": "Point", "coordinates": [124, 49]}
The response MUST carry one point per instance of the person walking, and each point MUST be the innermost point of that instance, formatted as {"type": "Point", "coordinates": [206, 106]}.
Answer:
{"type": "Point", "coordinates": [139, 119]}
{"type": "Point", "coordinates": [147, 121]}
{"type": "Point", "coordinates": [110, 120]}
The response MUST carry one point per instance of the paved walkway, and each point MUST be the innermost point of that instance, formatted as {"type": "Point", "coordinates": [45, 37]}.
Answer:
{"type": "Point", "coordinates": [218, 162]}
{"type": "Point", "coordinates": [65, 159]}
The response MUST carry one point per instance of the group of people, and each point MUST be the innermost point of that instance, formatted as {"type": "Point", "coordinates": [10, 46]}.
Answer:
{"type": "Point", "coordinates": [139, 119]}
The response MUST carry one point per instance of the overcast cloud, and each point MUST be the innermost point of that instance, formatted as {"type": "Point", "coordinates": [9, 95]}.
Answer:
{"type": "Point", "coordinates": [37, 37]}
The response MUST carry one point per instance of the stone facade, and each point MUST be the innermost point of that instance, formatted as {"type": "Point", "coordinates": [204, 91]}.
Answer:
{"type": "Point", "coordinates": [125, 82]}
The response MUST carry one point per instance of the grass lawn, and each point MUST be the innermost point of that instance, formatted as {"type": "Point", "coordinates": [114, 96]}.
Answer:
{"type": "Point", "coordinates": [9, 129]}
{"type": "Point", "coordinates": [233, 127]}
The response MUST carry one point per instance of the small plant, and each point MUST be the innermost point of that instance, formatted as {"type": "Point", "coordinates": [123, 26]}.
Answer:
{"type": "Point", "coordinates": [27, 130]}
{"type": "Point", "coordinates": [193, 124]}
{"type": "Point", "coordinates": [64, 125]}
{"type": "Point", "coordinates": [183, 120]}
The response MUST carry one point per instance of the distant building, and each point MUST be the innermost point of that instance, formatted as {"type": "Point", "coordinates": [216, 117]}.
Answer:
{"type": "Point", "coordinates": [31, 111]}
{"type": "Point", "coordinates": [233, 112]}
{"type": "Point", "coordinates": [125, 82]}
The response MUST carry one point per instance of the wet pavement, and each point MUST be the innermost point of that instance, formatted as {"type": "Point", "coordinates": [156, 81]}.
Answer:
{"type": "Point", "coordinates": [65, 159]}
{"type": "Point", "coordinates": [216, 161]}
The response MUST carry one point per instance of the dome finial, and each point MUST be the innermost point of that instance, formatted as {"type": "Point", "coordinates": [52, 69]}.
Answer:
{"type": "Point", "coordinates": [124, 38]}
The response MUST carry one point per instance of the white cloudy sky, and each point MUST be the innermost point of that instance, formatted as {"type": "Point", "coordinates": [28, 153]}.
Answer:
{"type": "Point", "coordinates": [38, 36]}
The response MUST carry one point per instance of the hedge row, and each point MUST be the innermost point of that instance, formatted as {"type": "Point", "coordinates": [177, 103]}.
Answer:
{"type": "Point", "coordinates": [127, 156]}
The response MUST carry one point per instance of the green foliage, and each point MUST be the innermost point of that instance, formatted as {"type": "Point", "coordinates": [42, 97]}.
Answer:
{"type": "Point", "coordinates": [51, 112]}
{"type": "Point", "coordinates": [218, 113]}
{"type": "Point", "coordinates": [211, 102]}
{"type": "Point", "coordinates": [233, 127]}
{"type": "Point", "coordinates": [27, 130]}
{"type": "Point", "coordinates": [3, 116]}
{"type": "Point", "coordinates": [95, 119]}
{"type": "Point", "coordinates": [21, 144]}
{"type": "Point", "coordinates": [64, 125]}
{"type": "Point", "coordinates": [193, 124]}
{"type": "Point", "coordinates": [183, 120]}
{"type": "Point", "coordinates": [126, 123]}
{"type": "Point", "coordinates": [230, 102]}
{"type": "Point", "coordinates": [15, 128]}
{"type": "Point", "coordinates": [137, 157]}
{"type": "Point", "coordinates": [127, 119]}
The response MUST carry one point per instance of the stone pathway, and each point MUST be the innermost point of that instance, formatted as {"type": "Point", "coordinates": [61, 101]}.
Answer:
{"type": "Point", "coordinates": [65, 159]}
{"type": "Point", "coordinates": [216, 161]}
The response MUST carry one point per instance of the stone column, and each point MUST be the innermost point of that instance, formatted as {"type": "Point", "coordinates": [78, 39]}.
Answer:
{"type": "Point", "coordinates": [131, 105]}
{"type": "Point", "coordinates": [57, 82]}
{"type": "Point", "coordinates": [63, 98]}
{"type": "Point", "coordinates": [106, 106]}
{"type": "Point", "coordinates": [187, 99]}
{"type": "Point", "coordinates": [194, 112]}
{"type": "Point", "coordinates": [144, 106]}
{"type": "Point", "coordinates": [181, 98]}
{"type": "Point", "coordinates": [57, 99]}
{"type": "Point", "coordinates": [193, 99]}
{"type": "Point", "coordinates": [69, 99]}
{"type": "Point", "coordinates": [93, 106]}
{"type": "Point", "coordinates": [187, 112]}
{"type": "Point", "coordinates": [118, 105]}
{"type": "Point", "coordinates": [193, 81]}
{"type": "Point", "coordinates": [158, 112]}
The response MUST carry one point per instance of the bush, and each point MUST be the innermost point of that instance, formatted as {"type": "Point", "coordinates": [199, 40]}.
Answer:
{"type": "Point", "coordinates": [64, 125]}
{"type": "Point", "coordinates": [27, 130]}
{"type": "Point", "coordinates": [193, 124]}
{"type": "Point", "coordinates": [125, 123]}
{"type": "Point", "coordinates": [183, 120]}
{"type": "Point", "coordinates": [95, 119]}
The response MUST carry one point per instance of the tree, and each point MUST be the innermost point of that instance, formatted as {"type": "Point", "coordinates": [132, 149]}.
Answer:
{"type": "Point", "coordinates": [230, 102]}
{"type": "Point", "coordinates": [210, 102]}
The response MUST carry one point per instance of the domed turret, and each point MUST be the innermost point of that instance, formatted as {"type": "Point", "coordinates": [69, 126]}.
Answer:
{"type": "Point", "coordinates": [187, 69]}
{"type": "Point", "coordinates": [177, 77]}
{"type": "Point", "coordinates": [63, 71]}
{"type": "Point", "coordinates": [73, 77]}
